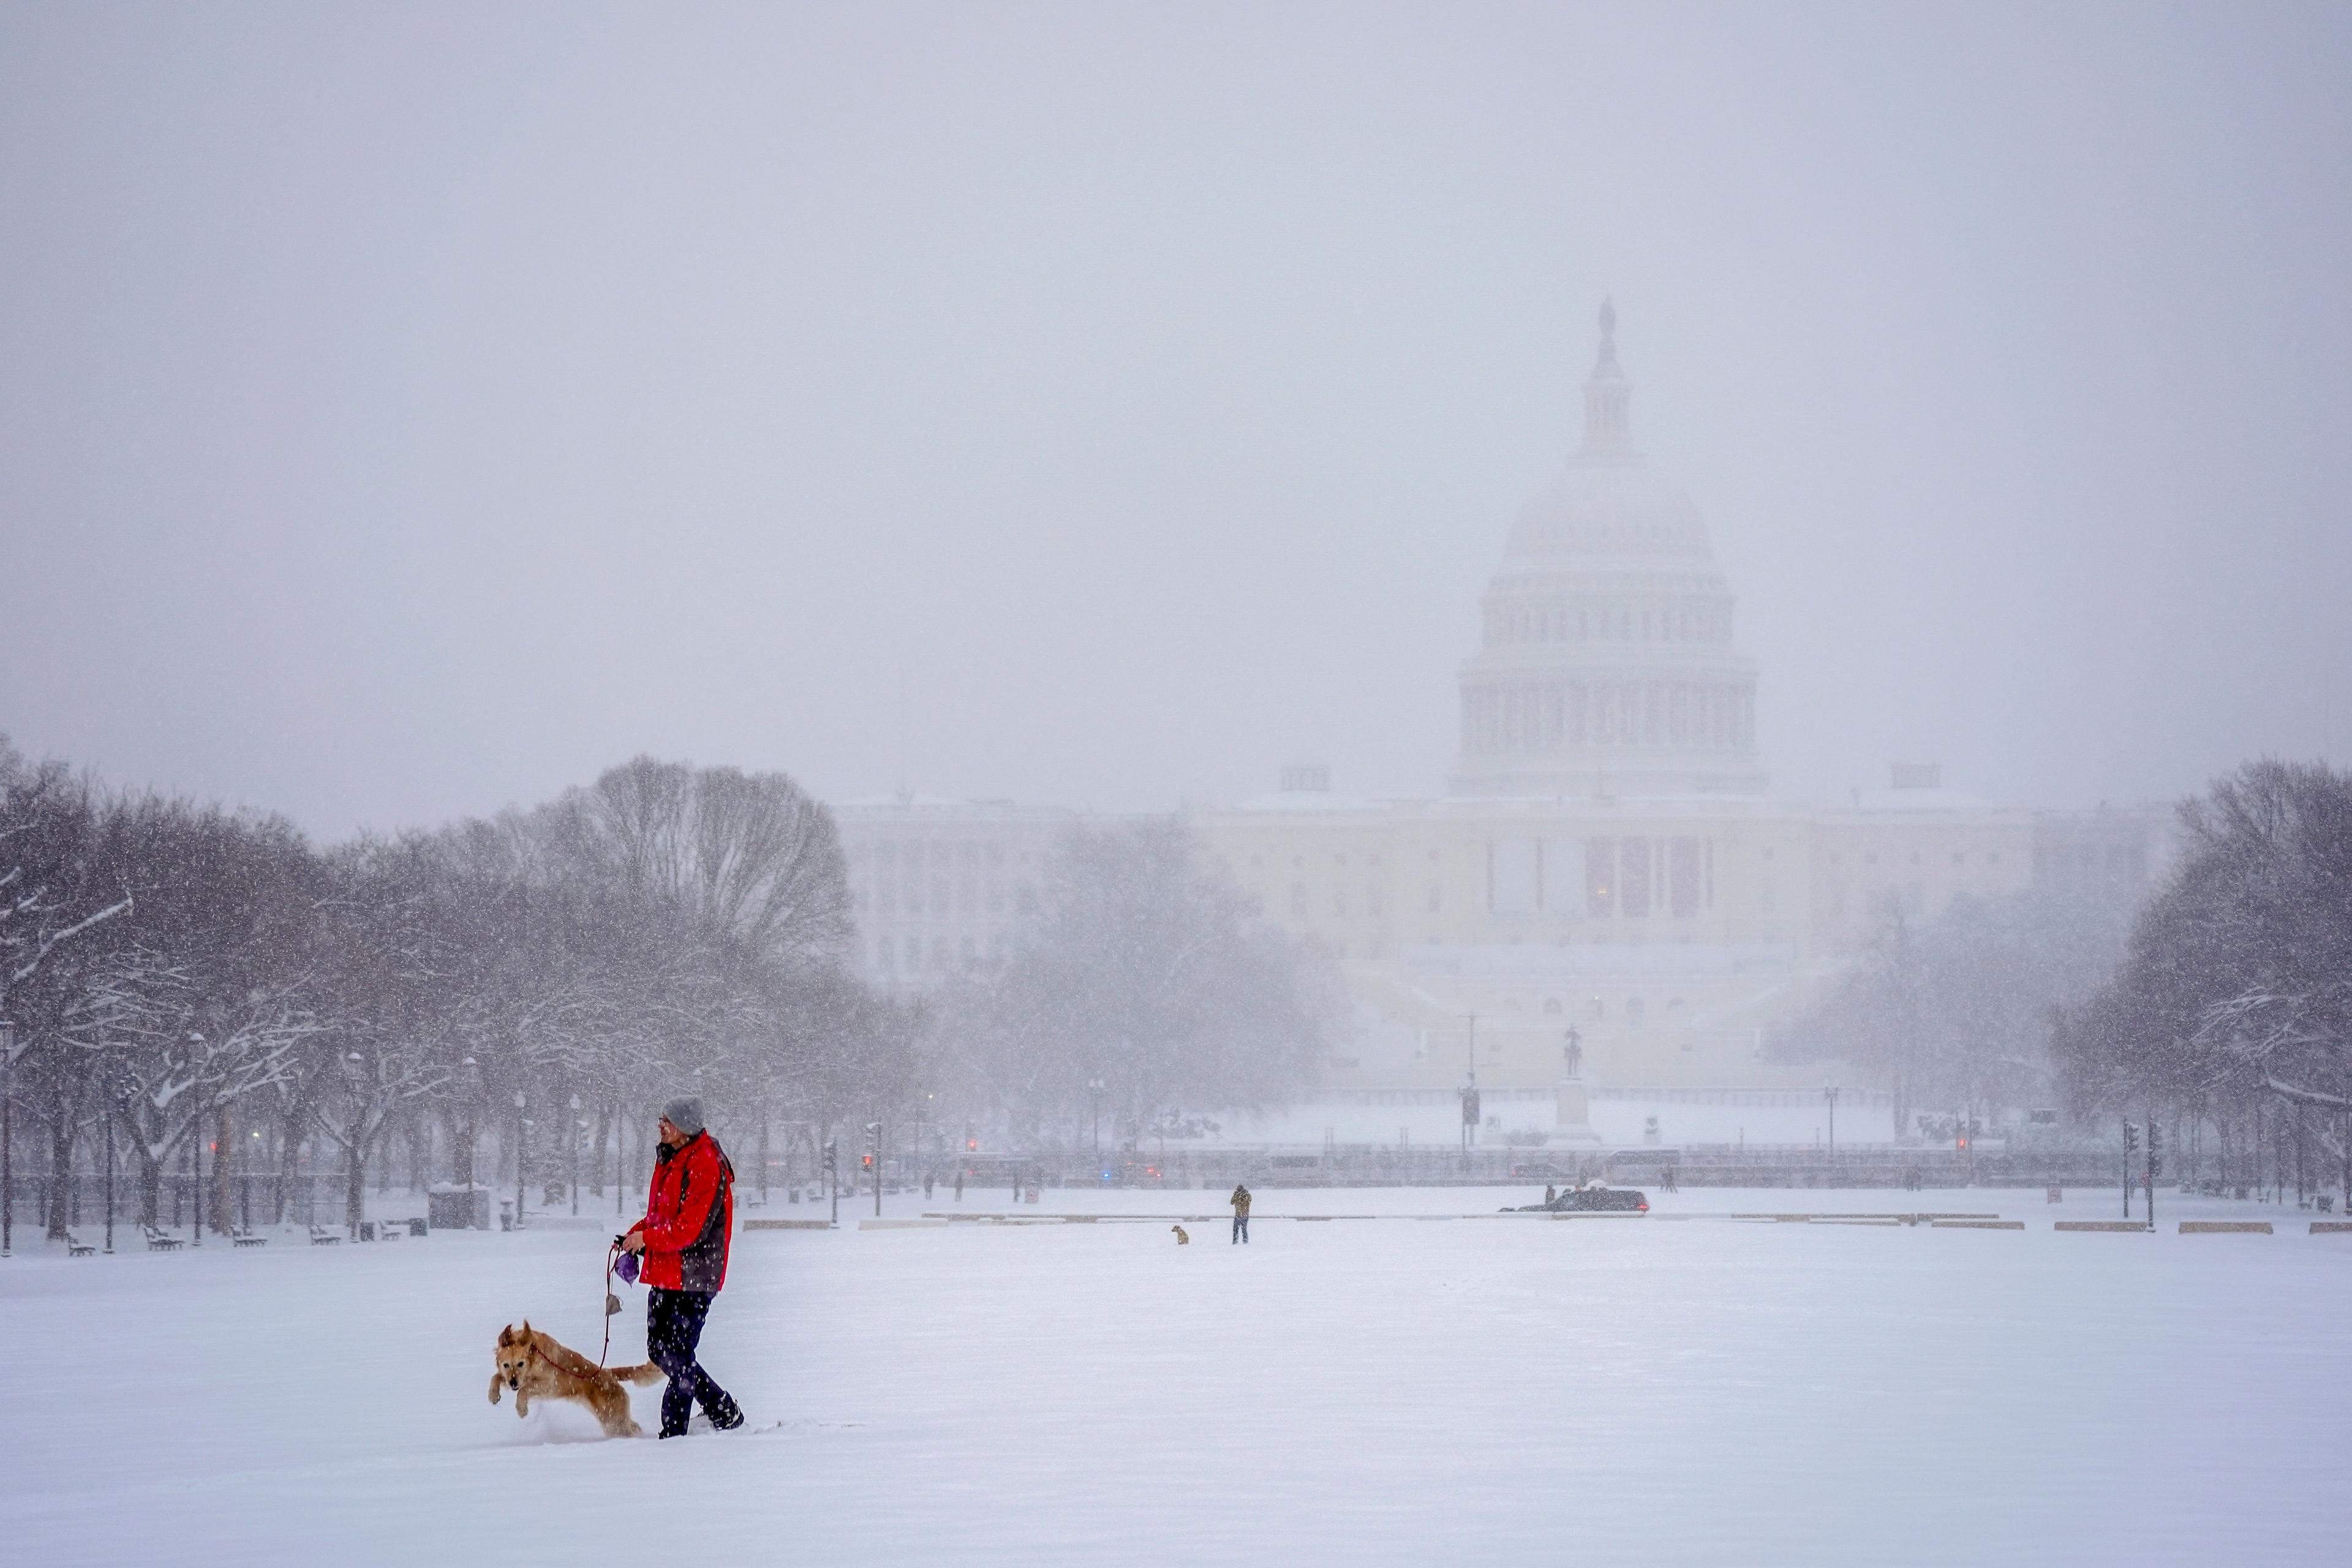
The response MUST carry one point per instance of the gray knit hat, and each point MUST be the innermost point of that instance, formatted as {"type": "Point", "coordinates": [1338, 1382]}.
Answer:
{"type": "Point", "coordinates": [685, 1113]}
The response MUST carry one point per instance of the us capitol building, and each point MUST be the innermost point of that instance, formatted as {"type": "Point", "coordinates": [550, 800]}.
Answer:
{"type": "Point", "coordinates": [1607, 860]}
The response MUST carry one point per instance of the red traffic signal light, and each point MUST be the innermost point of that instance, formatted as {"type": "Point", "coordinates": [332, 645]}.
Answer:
{"type": "Point", "coordinates": [869, 1162]}
{"type": "Point", "coordinates": [970, 1145]}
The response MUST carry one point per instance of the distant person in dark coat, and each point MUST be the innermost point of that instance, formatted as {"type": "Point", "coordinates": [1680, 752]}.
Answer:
{"type": "Point", "coordinates": [1241, 1202]}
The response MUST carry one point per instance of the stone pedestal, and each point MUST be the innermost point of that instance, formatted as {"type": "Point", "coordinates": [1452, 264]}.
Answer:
{"type": "Point", "coordinates": [1574, 1116]}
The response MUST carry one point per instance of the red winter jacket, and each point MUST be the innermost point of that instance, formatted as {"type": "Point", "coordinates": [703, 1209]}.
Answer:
{"type": "Point", "coordinates": [689, 1216]}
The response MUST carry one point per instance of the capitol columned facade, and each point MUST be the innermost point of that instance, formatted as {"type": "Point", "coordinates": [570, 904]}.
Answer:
{"type": "Point", "coordinates": [1607, 887]}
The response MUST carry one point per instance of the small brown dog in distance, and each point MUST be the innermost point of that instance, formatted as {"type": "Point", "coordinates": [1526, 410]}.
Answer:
{"type": "Point", "coordinates": [1182, 1239]}
{"type": "Point", "coordinates": [539, 1366]}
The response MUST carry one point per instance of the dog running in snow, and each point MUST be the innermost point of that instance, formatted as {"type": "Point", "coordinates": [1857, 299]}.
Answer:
{"type": "Point", "coordinates": [1182, 1239]}
{"type": "Point", "coordinates": [537, 1365]}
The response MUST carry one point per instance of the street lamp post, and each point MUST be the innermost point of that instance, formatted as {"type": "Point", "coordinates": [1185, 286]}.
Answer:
{"type": "Point", "coordinates": [1094, 1098]}
{"type": "Point", "coordinates": [1829, 1094]}
{"type": "Point", "coordinates": [1470, 1108]}
{"type": "Point", "coordinates": [577, 1126]}
{"type": "Point", "coordinates": [8, 1132]}
{"type": "Point", "coordinates": [110, 1180]}
{"type": "Point", "coordinates": [522, 1162]}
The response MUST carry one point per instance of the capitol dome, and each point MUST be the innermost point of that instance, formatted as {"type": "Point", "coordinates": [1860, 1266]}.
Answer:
{"type": "Point", "coordinates": [1606, 665]}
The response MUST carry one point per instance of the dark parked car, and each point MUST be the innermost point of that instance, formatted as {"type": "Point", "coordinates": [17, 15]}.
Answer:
{"type": "Point", "coordinates": [1592, 1200]}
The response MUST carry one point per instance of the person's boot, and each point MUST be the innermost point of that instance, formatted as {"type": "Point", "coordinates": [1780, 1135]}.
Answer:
{"type": "Point", "coordinates": [725, 1414]}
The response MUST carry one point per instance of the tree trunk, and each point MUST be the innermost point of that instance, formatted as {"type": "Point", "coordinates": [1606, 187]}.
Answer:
{"type": "Point", "coordinates": [464, 1137]}
{"type": "Point", "coordinates": [61, 1153]}
{"type": "Point", "coordinates": [596, 1163]}
{"type": "Point", "coordinates": [289, 1151]}
{"type": "Point", "coordinates": [225, 1151]}
{"type": "Point", "coordinates": [151, 1187]}
{"type": "Point", "coordinates": [354, 1186]}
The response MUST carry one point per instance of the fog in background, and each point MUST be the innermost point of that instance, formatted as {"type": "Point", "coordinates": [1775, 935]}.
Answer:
{"type": "Point", "coordinates": [408, 411]}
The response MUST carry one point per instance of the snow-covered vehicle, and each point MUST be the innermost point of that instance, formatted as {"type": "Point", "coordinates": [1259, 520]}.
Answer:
{"type": "Point", "coordinates": [1594, 1199]}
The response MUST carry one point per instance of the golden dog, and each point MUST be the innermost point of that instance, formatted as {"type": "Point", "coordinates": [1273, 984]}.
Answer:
{"type": "Point", "coordinates": [1182, 1239]}
{"type": "Point", "coordinates": [538, 1366]}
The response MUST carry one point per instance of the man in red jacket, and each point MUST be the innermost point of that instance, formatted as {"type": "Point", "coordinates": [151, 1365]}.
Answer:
{"type": "Point", "coordinates": [689, 1216]}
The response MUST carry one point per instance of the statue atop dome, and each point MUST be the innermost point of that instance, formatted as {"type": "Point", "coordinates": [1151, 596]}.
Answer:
{"type": "Point", "coordinates": [1608, 398]}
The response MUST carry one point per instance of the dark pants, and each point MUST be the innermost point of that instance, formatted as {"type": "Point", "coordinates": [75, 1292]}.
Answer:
{"type": "Point", "coordinates": [673, 1328]}
{"type": "Point", "coordinates": [1241, 1227]}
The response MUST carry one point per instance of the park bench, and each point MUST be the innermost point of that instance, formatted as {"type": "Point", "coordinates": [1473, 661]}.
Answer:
{"type": "Point", "coordinates": [77, 1248]}
{"type": "Point", "coordinates": [320, 1237]}
{"type": "Point", "coordinates": [158, 1242]}
{"type": "Point", "coordinates": [247, 1238]}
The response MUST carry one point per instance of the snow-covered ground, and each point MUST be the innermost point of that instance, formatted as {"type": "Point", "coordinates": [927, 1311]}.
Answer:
{"type": "Point", "coordinates": [1393, 1391]}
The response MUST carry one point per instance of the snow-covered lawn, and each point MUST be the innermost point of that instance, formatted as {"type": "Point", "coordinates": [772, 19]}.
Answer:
{"type": "Point", "coordinates": [1393, 1391]}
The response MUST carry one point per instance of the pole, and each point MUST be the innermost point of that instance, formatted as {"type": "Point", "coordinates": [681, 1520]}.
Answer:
{"type": "Point", "coordinates": [109, 1182]}
{"type": "Point", "coordinates": [195, 1188]}
{"type": "Point", "coordinates": [577, 1126]}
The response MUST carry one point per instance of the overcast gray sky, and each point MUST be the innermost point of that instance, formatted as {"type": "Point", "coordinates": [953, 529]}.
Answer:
{"type": "Point", "coordinates": [405, 411]}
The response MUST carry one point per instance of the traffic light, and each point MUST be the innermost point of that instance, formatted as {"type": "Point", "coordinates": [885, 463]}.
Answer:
{"type": "Point", "coordinates": [971, 1146]}
{"type": "Point", "coordinates": [869, 1160]}
{"type": "Point", "coordinates": [2154, 1148]}
{"type": "Point", "coordinates": [2131, 1138]}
